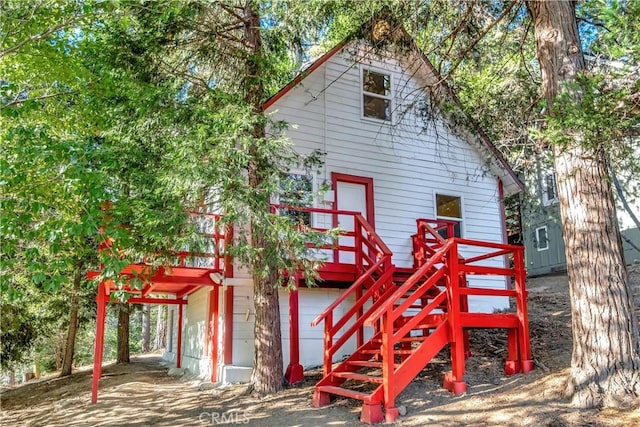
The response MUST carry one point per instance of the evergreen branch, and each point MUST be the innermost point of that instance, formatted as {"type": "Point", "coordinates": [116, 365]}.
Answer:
{"type": "Point", "coordinates": [17, 101]}
{"type": "Point", "coordinates": [478, 39]}
{"type": "Point", "coordinates": [37, 37]}
{"type": "Point", "coordinates": [232, 12]}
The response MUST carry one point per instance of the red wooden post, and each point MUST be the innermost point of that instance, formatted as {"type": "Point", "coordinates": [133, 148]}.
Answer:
{"type": "Point", "coordinates": [101, 299]}
{"type": "Point", "coordinates": [328, 343]}
{"type": "Point", "coordinates": [526, 364]}
{"type": "Point", "coordinates": [512, 364]}
{"type": "Point", "coordinates": [214, 309]}
{"type": "Point", "coordinates": [464, 307]}
{"type": "Point", "coordinates": [179, 352]}
{"type": "Point", "coordinates": [455, 383]}
{"type": "Point", "coordinates": [294, 373]}
{"type": "Point", "coordinates": [360, 332]}
{"type": "Point", "coordinates": [228, 326]}
{"type": "Point", "coordinates": [450, 230]}
{"type": "Point", "coordinates": [357, 255]}
{"type": "Point", "coordinates": [388, 365]}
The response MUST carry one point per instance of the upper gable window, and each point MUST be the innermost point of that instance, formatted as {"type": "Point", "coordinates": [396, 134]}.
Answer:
{"type": "Point", "coordinates": [549, 189]}
{"type": "Point", "coordinates": [449, 208]}
{"type": "Point", "coordinates": [376, 95]}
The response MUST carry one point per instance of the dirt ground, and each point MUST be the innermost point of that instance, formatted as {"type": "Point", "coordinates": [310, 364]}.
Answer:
{"type": "Point", "coordinates": [142, 394]}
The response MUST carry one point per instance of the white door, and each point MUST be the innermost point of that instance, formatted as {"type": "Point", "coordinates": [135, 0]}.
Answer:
{"type": "Point", "coordinates": [350, 197]}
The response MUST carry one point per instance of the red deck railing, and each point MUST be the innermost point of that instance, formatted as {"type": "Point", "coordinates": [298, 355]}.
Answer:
{"type": "Point", "coordinates": [209, 254]}
{"type": "Point", "coordinates": [431, 235]}
{"type": "Point", "coordinates": [372, 259]}
{"type": "Point", "coordinates": [432, 302]}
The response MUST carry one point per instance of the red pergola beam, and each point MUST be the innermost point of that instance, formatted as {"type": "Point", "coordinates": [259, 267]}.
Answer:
{"type": "Point", "coordinates": [147, 289]}
{"type": "Point", "coordinates": [137, 300]}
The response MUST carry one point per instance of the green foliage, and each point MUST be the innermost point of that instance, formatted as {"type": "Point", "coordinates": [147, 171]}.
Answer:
{"type": "Point", "coordinates": [616, 27]}
{"type": "Point", "coordinates": [601, 112]}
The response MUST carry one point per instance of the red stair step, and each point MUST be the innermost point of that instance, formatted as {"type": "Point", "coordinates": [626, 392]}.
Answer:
{"type": "Point", "coordinates": [368, 364]}
{"type": "Point", "coordinates": [374, 351]}
{"type": "Point", "coordinates": [358, 377]}
{"type": "Point", "coordinates": [406, 339]}
{"type": "Point", "coordinates": [353, 394]}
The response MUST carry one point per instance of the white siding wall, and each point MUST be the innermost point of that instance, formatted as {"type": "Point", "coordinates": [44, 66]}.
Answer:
{"type": "Point", "coordinates": [409, 162]}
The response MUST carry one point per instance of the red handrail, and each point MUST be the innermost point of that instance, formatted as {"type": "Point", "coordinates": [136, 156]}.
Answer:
{"type": "Point", "coordinates": [411, 281]}
{"type": "Point", "coordinates": [350, 291]}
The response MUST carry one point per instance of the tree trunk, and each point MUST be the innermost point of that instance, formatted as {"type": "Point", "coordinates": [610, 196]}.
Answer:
{"type": "Point", "coordinates": [161, 328]}
{"type": "Point", "coordinates": [605, 362]}
{"type": "Point", "coordinates": [146, 328]}
{"type": "Point", "coordinates": [72, 329]}
{"type": "Point", "coordinates": [123, 334]}
{"type": "Point", "coordinates": [267, 375]}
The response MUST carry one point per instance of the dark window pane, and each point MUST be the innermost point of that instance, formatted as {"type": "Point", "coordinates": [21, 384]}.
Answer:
{"type": "Point", "coordinates": [550, 185]}
{"type": "Point", "coordinates": [456, 231]}
{"type": "Point", "coordinates": [376, 83]}
{"type": "Point", "coordinates": [378, 108]}
{"type": "Point", "coordinates": [542, 238]}
{"type": "Point", "coordinates": [449, 206]}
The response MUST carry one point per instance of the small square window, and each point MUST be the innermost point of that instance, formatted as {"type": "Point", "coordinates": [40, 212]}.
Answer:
{"type": "Point", "coordinates": [377, 83]}
{"type": "Point", "coordinates": [450, 208]}
{"type": "Point", "coordinates": [549, 189]}
{"type": "Point", "coordinates": [542, 239]}
{"type": "Point", "coordinates": [376, 95]}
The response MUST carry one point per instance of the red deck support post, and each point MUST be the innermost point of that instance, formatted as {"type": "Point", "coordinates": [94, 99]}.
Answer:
{"type": "Point", "coordinates": [526, 364]}
{"type": "Point", "coordinates": [214, 311]}
{"type": "Point", "coordinates": [228, 326]}
{"type": "Point", "coordinates": [294, 373]}
{"type": "Point", "coordinates": [101, 299]}
{"type": "Point", "coordinates": [360, 332]}
{"type": "Point", "coordinates": [454, 381]}
{"type": "Point", "coordinates": [328, 343]}
{"type": "Point", "coordinates": [179, 352]}
{"type": "Point", "coordinates": [388, 366]}
{"type": "Point", "coordinates": [464, 307]}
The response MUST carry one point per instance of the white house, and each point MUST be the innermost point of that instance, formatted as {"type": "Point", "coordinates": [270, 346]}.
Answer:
{"type": "Point", "coordinates": [397, 149]}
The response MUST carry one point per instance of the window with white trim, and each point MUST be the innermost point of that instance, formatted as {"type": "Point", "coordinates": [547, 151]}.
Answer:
{"type": "Point", "coordinates": [450, 208]}
{"type": "Point", "coordinates": [376, 95]}
{"type": "Point", "coordinates": [549, 189]}
{"type": "Point", "coordinates": [542, 238]}
{"type": "Point", "coordinates": [296, 189]}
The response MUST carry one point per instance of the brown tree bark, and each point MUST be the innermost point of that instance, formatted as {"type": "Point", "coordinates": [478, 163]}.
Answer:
{"type": "Point", "coordinates": [72, 328]}
{"type": "Point", "coordinates": [146, 328]}
{"type": "Point", "coordinates": [161, 328]}
{"type": "Point", "coordinates": [123, 334]}
{"type": "Point", "coordinates": [267, 375]}
{"type": "Point", "coordinates": [605, 360]}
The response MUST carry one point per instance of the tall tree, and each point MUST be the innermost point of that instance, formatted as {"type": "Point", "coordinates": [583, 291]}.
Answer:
{"type": "Point", "coordinates": [145, 315]}
{"type": "Point", "coordinates": [161, 328]}
{"type": "Point", "coordinates": [605, 366]}
{"type": "Point", "coordinates": [123, 334]}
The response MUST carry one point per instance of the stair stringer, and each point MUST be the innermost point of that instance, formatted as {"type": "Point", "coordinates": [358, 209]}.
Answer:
{"type": "Point", "coordinates": [343, 366]}
{"type": "Point", "coordinates": [408, 370]}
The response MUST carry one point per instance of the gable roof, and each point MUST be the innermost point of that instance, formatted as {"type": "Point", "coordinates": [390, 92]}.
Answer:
{"type": "Point", "coordinates": [476, 137]}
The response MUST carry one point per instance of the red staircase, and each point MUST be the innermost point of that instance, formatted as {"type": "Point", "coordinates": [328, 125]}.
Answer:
{"type": "Point", "coordinates": [414, 314]}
